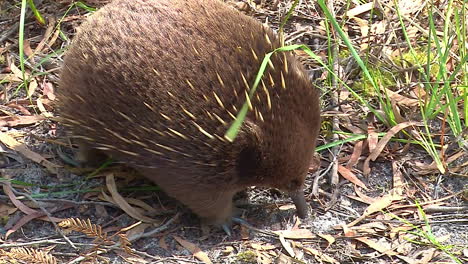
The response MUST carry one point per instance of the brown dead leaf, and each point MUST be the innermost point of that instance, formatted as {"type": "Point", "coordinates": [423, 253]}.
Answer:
{"type": "Point", "coordinates": [17, 72]}
{"type": "Point", "coordinates": [319, 256]}
{"type": "Point", "coordinates": [287, 246]}
{"type": "Point", "coordinates": [194, 249]}
{"type": "Point", "coordinates": [409, 7]}
{"type": "Point", "coordinates": [262, 247]}
{"type": "Point", "coordinates": [32, 87]}
{"type": "Point", "coordinates": [362, 197]}
{"type": "Point", "coordinates": [330, 239]}
{"type": "Point", "coordinates": [286, 207]}
{"type": "Point", "coordinates": [401, 100]}
{"type": "Point", "coordinates": [427, 255]}
{"type": "Point", "coordinates": [20, 205]}
{"type": "Point", "coordinates": [357, 151]}
{"type": "Point", "coordinates": [385, 139]}
{"type": "Point", "coordinates": [42, 108]}
{"type": "Point", "coordinates": [12, 121]}
{"type": "Point", "coordinates": [381, 203]}
{"type": "Point", "coordinates": [295, 234]}
{"type": "Point", "coordinates": [372, 138]}
{"type": "Point", "coordinates": [27, 50]}
{"type": "Point", "coordinates": [424, 168]}
{"type": "Point", "coordinates": [6, 210]}
{"type": "Point", "coordinates": [48, 91]}
{"type": "Point", "coordinates": [22, 149]}
{"type": "Point", "coordinates": [9, 77]}
{"type": "Point", "coordinates": [381, 246]}
{"type": "Point", "coordinates": [19, 107]}
{"type": "Point", "coordinates": [350, 176]}
{"type": "Point", "coordinates": [122, 203]}
{"type": "Point", "coordinates": [377, 205]}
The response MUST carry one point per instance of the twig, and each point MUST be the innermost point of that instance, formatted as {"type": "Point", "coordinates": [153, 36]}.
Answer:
{"type": "Point", "coordinates": [48, 215]}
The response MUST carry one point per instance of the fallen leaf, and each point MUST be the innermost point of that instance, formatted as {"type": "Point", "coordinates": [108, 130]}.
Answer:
{"type": "Point", "coordinates": [319, 255]}
{"type": "Point", "coordinates": [32, 87]}
{"type": "Point", "coordinates": [359, 9]}
{"type": "Point", "coordinates": [48, 90]}
{"type": "Point", "coordinates": [12, 121]}
{"type": "Point", "coordinates": [27, 50]}
{"type": "Point", "coordinates": [372, 138]}
{"type": "Point", "coordinates": [381, 246]}
{"type": "Point", "coordinates": [262, 247]}
{"type": "Point", "coordinates": [42, 108]}
{"type": "Point", "coordinates": [6, 210]}
{"type": "Point", "coordinates": [385, 139]}
{"type": "Point", "coordinates": [357, 151]}
{"type": "Point", "coordinates": [362, 197]}
{"type": "Point", "coordinates": [46, 35]}
{"type": "Point", "coordinates": [330, 239]}
{"type": "Point", "coordinates": [381, 203]}
{"type": "Point", "coordinates": [287, 246]}
{"type": "Point", "coordinates": [295, 234]}
{"type": "Point", "coordinates": [350, 176]}
{"type": "Point", "coordinates": [401, 100]}
{"type": "Point", "coordinates": [136, 230]}
{"type": "Point", "coordinates": [22, 149]}
{"type": "Point", "coordinates": [194, 249]}
{"type": "Point", "coordinates": [122, 203]}
{"type": "Point", "coordinates": [21, 108]}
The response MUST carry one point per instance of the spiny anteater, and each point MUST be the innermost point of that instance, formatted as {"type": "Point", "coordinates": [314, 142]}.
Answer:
{"type": "Point", "coordinates": [157, 83]}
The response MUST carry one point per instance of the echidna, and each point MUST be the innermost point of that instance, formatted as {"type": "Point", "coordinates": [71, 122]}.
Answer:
{"type": "Point", "coordinates": [157, 83]}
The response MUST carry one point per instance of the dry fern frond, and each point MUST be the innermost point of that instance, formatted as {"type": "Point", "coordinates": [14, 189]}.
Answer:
{"type": "Point", "coordinates": [29, 255]}
{"type": "Point", "coordinates": [125, 243]}
{"type": "Point", "coordinates": [85, 227]}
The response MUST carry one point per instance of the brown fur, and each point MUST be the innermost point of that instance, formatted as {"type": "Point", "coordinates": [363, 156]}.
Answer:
{"type": "Point", "coordinates": [156, 84]}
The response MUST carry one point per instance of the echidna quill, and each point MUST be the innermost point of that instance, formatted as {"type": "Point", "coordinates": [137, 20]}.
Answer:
{"type": "Point", "coordinates": [157, 83]}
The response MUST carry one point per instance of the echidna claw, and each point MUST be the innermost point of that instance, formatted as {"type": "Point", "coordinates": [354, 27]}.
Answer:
{"type": "Point", "coordinates": [227, 229]}
{"type": "Point", "coordinates": [240, 221]}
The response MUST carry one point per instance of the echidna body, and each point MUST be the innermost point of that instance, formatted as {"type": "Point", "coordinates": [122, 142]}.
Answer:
{"type": "Point", "coordinates": [157, 83]}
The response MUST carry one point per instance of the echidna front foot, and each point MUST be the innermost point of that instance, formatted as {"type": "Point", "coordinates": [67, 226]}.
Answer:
{"type": "Point", "coordinates": [88, 156]}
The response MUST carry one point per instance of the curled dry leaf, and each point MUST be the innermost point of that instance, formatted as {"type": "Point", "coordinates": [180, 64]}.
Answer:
{"type": "Point", "coordinates": [117, 199]}
{"type": "Point", "coordinates": [350, 176]}
{"type": "Point", "coordinates": [287, 246]}
{"type": "Point", "coordinates": [194, 249]}
{"type": "Point", "coordinates": [385, 139]}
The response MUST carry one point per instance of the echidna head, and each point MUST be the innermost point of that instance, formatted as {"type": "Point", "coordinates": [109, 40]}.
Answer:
{"type": "Point", "coordinates": [279, 158]}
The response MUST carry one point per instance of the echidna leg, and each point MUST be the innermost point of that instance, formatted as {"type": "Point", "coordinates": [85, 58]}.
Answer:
{"type": "Point", "coordinates": [87, 155]}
